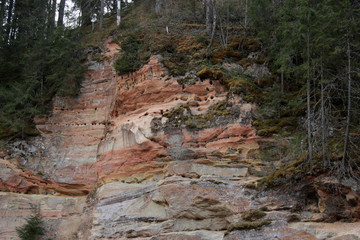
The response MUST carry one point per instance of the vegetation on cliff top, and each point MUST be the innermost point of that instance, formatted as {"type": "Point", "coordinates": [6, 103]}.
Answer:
{"type": "Point", "coordinates": [310, 99]}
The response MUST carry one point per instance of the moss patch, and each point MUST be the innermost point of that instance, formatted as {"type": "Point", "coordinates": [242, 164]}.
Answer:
{"type": "Point", "coordinates": [219, 113]}
{"type": "Point", "coordinates": [178, 116]}
{"type": "Point", "coordinates": [247, 225]}
{"type": "Point", "coordinates": [286, 172]}
{"type": "Point", "coordinates": [237, 49]}
{"type": "Point", "coordinates": [210, 73]}
{"type": "Point", "coordinates": [246, 44]}
{"type": "Point", "coordinates": [218, 56]}
{"type": "Point", "coordinates": [253, 215]}
{"type": "Point", "coordinates": [268, 127]}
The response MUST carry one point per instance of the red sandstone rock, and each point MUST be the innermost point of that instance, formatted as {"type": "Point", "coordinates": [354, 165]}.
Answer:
{"type": "Point", "coordinates": [15, 179]}
{"type": "Point", "coordinates": [153, 183]}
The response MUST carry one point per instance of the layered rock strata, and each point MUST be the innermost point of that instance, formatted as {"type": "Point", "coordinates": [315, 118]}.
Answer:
{"type": "Point", "coordinates": [157, 159]}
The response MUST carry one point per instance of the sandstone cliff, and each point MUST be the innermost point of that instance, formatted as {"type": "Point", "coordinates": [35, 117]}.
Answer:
{"type": "Point", "coordinates": [141, 156]}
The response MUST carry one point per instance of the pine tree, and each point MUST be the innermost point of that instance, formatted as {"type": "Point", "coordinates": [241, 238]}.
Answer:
{"type": "Point", "coordinates": [26, 89]}
{"type": "Point", "coordinates": [32, 229]}
{"type": "Point", "coordinates": [313, 45]}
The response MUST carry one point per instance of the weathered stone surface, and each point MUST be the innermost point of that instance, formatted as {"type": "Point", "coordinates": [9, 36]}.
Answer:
{"type": "Point", "coordinates": [176, 204]}
{"type": "Point", "coordinates": [149, 175]}
{"type": "Point", "coordinates": [14, 178]}
{"type": "Point", "coordinates": [336, 200]}
{"type": "Point", "coordinates": [336, 230]}
{"type": "Point", "coordinates": [76, 126]}
{"type": "Point", "coordinates": [270, 233]}
{"type": "Point", "coordinates": [133, 152]}
{"type": "Point", "coordinates": [61, 215]}
{"type": "Point", "coordinates": [194, 235]}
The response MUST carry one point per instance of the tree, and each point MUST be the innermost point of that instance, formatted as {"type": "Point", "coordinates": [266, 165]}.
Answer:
{"type": "Point", "coordinates": [102, 6]}
{"type": "Point", "coordinates": [118, 12]}
{"type": "Point", "coordinates": [32, 229]}
{"type": "Point", "coordinates": [210, 15]}
{"type": "Point", "coordinates": [2, 16]}
{"type": "Point", "coordinates": [52, 13]}
{"type": "Point", "coordinates": [9, 21]}
{"type": "Point", "coordinates": [61, 13]}
{"type": "Point", "coordinates": [158, 6]}
{"type": "Point", "coordinates": [87, 8]}
{"type": "Point", "coordinates": [26, 89]}
{"type": "Point", "coordinates": [312, 45]}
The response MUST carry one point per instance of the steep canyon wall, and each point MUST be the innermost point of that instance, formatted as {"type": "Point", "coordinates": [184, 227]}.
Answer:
{"type": "Point", "coordinates": [143, 156]}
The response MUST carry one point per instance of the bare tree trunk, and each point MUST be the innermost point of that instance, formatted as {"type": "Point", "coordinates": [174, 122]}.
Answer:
{"type": "Point", "coordinates": [9, 21]}
{"type": "Point", "coordinates": [61, 13]}
{"type": "Point", "coordinates": [214, 20]}
{"type": "Point", "coordinates": [246, 13]}
{"type": "Point", "coordinates": [224, 35]}
{"type": "Point", "coordinates": [348, 117]}
{"type": "Point", "coordinates": [210, 16]}
{"type": "Point", "coordinates": [2, 15]}
{"type": "Point", "coordinates": [101, 20]}
{"type": "Point", "coordinates": [53, 13]}
{"type": "Point", "coordinates": [227, 24]}
{"type": "Point", "coordinates": [308, 103]}
{"type": "Point", "coordinates": [158, 6]}
{"type": "Point", "coordinates": [323, 122]}
{"type": "Point", "coordinates": [118, 13]}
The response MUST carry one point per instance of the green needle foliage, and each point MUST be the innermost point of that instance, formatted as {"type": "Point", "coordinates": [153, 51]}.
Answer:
{"type": "Point", "coordinates": [314, 46]}
{"type": "Point", "coordinates": [36, 63]}
{"type": "Point", "coordinates": [32, 229]}
{"type": "Point", "coordinates": [129, 61]}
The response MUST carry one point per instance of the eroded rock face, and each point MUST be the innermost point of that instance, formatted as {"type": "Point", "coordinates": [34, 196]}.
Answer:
{"type": "Point", "coordinates": [158, 159]}
{"type": "Point", "coordinates": [62, 215]}
{"type": "Point", "coordinates": [76, 126]}
{"type": "Point", "coordinates": [15, 178]}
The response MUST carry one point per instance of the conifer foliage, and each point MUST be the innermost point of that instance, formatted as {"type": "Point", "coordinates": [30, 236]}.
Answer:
{"type": "Point", "coordinates": [37, 61]}
{"type": "Point", "coordinates": [32, 229]}
{"type": "Point", "coordinates": [314, 47]}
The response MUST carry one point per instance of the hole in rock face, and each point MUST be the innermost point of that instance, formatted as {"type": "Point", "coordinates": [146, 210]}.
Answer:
{"type": "Point", "coordinates": [211, 82]}
{"type": "Point", "coordinates": [161, 111]}
{"type": "Point", "coordinates": [95, 109]}
{"type": "Point", "coordinates": [212, 97]}
{"type": "Point", "coordinates": [207, 89]}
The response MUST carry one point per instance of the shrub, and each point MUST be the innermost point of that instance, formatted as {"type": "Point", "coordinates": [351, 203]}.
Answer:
{"type": "Point", "coordinates": [129, 61]}
{"type": "Point", "coordinates": [32, 229]}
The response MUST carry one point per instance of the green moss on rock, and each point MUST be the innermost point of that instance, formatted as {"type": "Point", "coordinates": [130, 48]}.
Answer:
{"type": "Point", "coordinates": [182, 116]}
{"type": "Point", "coordinates": [248, 225]}
{"type": "Point", "coordinates": [253, 215]}
{"type": "Point", "coordinates": [210, 73]}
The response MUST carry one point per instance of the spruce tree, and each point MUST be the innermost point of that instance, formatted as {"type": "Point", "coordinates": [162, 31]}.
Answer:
{"type": "Point", "coordinates": [32, 229]}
